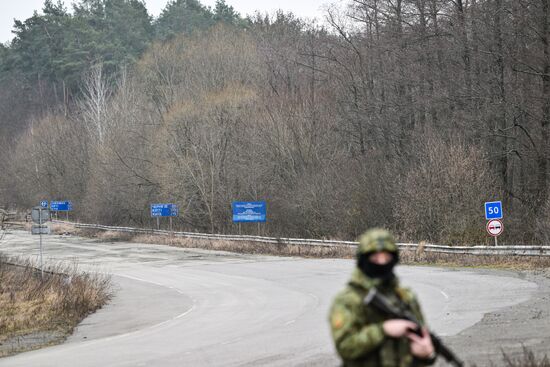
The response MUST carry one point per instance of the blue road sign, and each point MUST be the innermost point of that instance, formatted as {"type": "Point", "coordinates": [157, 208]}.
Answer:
{"type": "Point", "coordinates": [44, 204]}
{"type": "Point", "coordinates": [493, 210]}
{"type": "Point", "coordinates": [164, 210]}
{"type": "Point", "coordinates": [61, 206]}
{"type": "Point", "coordinates": [249, 211]}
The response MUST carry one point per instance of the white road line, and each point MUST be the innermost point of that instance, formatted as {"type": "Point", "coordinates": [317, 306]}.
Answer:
{"type": "Point", "coordinates": [444, 294]}
{"type": "Point", "coordinates": [314, 297]}
{"type": "Point", "coordinates": [231, 341]}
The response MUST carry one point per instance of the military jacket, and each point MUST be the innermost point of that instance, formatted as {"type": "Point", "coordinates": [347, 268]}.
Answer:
{"type": "Point", "coordinates": [357, 329]}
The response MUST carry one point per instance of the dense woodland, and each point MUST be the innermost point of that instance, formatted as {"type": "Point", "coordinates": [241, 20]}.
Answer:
{"type": "Point", "coordinates": [407, 114]}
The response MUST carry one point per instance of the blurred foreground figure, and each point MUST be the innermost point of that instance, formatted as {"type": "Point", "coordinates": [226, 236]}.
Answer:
{"type": "Point", "coordinates": [363, 334]}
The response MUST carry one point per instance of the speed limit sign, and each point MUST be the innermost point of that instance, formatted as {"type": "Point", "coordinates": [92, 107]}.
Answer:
{"type": "Point", "coordinates": [495, 227]}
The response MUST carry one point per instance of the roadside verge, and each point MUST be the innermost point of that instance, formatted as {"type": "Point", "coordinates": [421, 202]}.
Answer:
{"type": "Point", "coordinates": [38, 309]}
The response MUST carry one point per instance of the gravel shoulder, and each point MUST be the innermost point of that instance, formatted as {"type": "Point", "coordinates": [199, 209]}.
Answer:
{"type": "Point", "coordinates": [509, 330]}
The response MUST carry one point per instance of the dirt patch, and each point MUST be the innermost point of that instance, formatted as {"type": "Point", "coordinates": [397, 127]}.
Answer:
{"type": "Point", "coordinates": [31, 341]}
{"type": "Point", "coordinates": [63, 229]}
{"type": "Point", "coordinates": [42, 309]}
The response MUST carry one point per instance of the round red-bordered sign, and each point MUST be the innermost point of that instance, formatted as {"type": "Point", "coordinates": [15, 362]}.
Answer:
{"type": "Point", "coordinates": [495, 227]}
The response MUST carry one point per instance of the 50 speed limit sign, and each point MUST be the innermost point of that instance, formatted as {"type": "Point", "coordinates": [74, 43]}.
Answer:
{"type": "Point", "coordinates": [495, 227]}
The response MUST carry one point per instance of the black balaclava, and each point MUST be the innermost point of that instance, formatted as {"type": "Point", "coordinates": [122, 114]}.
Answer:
{"type": "Point", "coordinates": [376, 271]}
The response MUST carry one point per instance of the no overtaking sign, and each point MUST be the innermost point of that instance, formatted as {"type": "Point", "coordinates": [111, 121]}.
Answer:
{"type": "Point", "coordinates": [495, 227]}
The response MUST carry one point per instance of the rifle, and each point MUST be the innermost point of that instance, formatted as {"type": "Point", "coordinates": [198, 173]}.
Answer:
{"type": "Point", "coordinates": [380, 302]}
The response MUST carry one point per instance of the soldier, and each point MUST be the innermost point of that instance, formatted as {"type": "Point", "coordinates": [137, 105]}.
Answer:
{"type": "Point", "coordinates": [363, 335]}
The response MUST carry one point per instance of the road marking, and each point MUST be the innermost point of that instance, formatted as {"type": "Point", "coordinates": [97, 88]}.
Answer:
{"type": "Point", "coordinates": [444, 294]}
{"type": "Point", "coordinates": [315, 298]}
{"type": "Point", "coordinates": [290, 322]}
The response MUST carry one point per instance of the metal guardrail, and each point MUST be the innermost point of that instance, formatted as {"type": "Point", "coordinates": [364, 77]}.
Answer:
{"type": "Point", "coordinates": [466, 250]}
{"type": "Point", "coordinates": [36, 268]}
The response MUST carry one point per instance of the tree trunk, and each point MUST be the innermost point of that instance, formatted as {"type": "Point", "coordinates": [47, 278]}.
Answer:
{"type": "Point", "coordinates": [544, 147]}
{"type": "Point", "coordinates": [502, 139]}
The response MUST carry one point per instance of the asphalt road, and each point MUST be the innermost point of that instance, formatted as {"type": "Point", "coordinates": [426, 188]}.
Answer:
{"type": "Point", "coordinates": [178, 307]}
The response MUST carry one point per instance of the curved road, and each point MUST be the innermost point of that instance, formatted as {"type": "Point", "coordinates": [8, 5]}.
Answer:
{"type": "Point", "coordinates": [180, 307]}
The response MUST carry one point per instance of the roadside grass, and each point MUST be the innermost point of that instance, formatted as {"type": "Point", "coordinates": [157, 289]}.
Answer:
{"type": "Point", "coordinates": [526, 359]}
{"type": "Point", "coordinates": [475, 261]}
{"type": "Point", "coordinates": [35, 312]}
{"type": "Point", "coordinates": [254, 248]}
{"type": "Point", "coordinates": [240, 247]}
{"type": "Point", "coordinates": [61, 228]}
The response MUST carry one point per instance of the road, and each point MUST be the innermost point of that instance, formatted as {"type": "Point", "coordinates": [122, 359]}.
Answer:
{"type": "Point", "coordinates": [181, 307]}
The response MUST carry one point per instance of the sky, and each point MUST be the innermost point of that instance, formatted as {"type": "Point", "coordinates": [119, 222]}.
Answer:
{"type": "Point", "coordinates": [23, 9]}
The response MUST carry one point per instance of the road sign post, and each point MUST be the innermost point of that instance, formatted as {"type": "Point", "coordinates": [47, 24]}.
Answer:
{"type": "Point", "coordinates": [495, 229]}
{"type": "Point", "coordinates": [40, 215]}
{"type": "Point", "coordinates": [41, 261]}
{"type": "Point", "coordinates": [171, 231]}
{"type": "Point", "coordinates": [493, 212]}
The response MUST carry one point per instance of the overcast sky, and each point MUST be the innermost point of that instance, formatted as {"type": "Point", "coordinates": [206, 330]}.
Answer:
{"type": "Point", "coordinates": [23, 9]}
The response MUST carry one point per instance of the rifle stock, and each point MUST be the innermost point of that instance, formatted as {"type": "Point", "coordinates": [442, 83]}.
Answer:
{"type": "Point", "coordinates": [379, 301]}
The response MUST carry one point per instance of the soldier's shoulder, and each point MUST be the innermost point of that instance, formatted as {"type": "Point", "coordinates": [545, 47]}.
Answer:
{"type": "Point", "coordinates": [348, 296]}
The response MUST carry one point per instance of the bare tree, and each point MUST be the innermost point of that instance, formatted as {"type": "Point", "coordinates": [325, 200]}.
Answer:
{"type": "Point", "coordinates": [93, 104]}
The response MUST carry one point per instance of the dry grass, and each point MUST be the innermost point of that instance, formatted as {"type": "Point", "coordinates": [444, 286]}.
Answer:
{"type": "Point", "coordinates": [489, 261]}
{"type": "Point", "coordinates": [244, 247]}
{"type": "Point", "coordinates": [54, 304]}
{"type": "Point", "coordinates": [112, 236]}
{"type": "Point", "coordinates": [63, 228]}
{"type": "Point", "coordinates": [528, 359]}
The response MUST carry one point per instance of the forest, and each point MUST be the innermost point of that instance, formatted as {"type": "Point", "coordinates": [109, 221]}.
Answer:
{"type": "Point", "coordinates": [405, 114]}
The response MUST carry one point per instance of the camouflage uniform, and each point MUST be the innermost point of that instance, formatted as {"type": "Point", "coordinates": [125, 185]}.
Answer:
{"type": "Point", "coordinates": [357, 329]}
